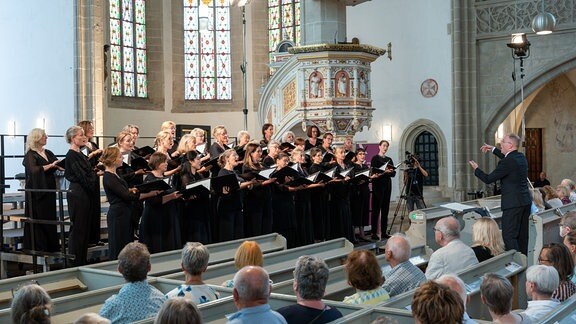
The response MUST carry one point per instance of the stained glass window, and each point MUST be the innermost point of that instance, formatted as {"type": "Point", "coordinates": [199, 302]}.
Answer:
{"type": "Point", "coordinates": [207, 60]}
{"type": "Point", "coordinates": [283, 22]}
{"type": "Point", "coordinates": [128, 48]}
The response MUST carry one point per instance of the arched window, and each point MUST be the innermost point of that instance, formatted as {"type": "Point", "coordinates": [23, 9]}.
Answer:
{"type": "Point", "coordinates": [207, 59]}
{"type": "Point", "coordinates": [283, 22]}
{"type": "Point", "coordinates": [128, 48]}
{"type": "Point", "coordinates": [426, 147]}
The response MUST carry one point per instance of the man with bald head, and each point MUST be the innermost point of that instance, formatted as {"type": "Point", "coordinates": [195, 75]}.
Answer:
{"type": "Point", "coordinates": [251, 292]}
{"type": "Point", "coordinates": [454, 255]}
{"type": "Point", "coordinates": [457, 285]}
{"type": "Point", "coordinates": [512, 171]}
{"type": "Point", "coordinates": [404, 276]}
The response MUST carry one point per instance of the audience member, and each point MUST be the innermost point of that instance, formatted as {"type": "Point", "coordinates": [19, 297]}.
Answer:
{"type": "Point", "coordinates": [558, 256]}
{"type": "Point", "coordinates": [537, 201]}
{"type": "Point", "coordinates": [31, 304]}
{"type": "Point", "coordinates": [195, 258]}
{"type": "Point", "coordinates": [551, 197]}
{"type": "Point", "coordinates": [248, 253]}
{"type": "Point", "coordinates": [365, 275]}
{"type": "Point", "coordinates": [404, 275]}
{"type": "Point", "coordinates": [567, 223]}
{"type": "Point", "coordinates": [137, 299]}
{"type": "Point", "coordinates": [178, 311]}
{"type": "Point", "coordinates": [563, 194]}
{"type": "Point", "coordinates": [91, 318]}
{"type": "Point", "coordinates": [497, 292]}
{"type": "Point", "coordinates": [250, 293]}
{"type": "Point", "coordinates": [457, 285]}
{"type": "Point", "coordinates": [436, 303]}
{"type": "Point", "coordinates": [541, 181]}
{"type": "Point", "coordinates": [487, 239]}
{"type": "Point", "coordinates": [454, 255]}
{"type": "Point", "coordinates": [570, 242]}
{"type": "Point", "coordinates": [572, 186]}
{"type": "Point", "coordinates": [310, 278]}
{"type": "Point", "coordinates": [541, 282]}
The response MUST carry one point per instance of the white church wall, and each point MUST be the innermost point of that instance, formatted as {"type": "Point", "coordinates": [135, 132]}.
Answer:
{"type": "Point", "coordinates": [37, 78]}
{"type": "Point", "coordinates": [419, 31]}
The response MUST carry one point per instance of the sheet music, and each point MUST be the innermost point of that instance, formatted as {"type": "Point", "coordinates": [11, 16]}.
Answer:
{"type": "Point", "coordinates": [204, 182]}
{"type": "Point", "coordinates": [457, 207]}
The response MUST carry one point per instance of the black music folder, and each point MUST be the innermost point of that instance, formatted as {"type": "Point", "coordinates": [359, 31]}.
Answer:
{"type": "Point", "coordinates": [160, 184]}
{"type": "Point", "coordinates": [144, 151]}
{"type": "Point", "coordinates": [197, 188]}
{"type": "Point", "coordinates": [229, 180]}
{"type": "Point", "coordinates": [286, 171]}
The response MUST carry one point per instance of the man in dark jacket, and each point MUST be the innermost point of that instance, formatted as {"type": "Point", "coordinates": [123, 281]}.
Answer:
{"type": "Point", "coordinates": [512, 171]}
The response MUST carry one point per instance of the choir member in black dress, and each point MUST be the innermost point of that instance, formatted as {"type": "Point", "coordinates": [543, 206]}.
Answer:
{"type": "Point", "coordinates": [40, 165]}
{"type": "Point", "coordinates": [93, 152]}
{"type": "Point", "coordinates": [243, 138]}
{"type": "Point", "coordinates": [220, 135]}
{"type": "Point", "coordinates": [288, 137]}
{"type": "Point", "coordinates": [348, 147]}
{"type": "Point", "coordinates": [128, 172]}
{"type": "Point", "coordinates": [164, 143]}
{"type": "Point", "coordinates": [134, 130]}
{"type": "Point", "coordinates": [360, 195]}
{"type": "Point", "coordinates": [80, 173]}
{"type": "Point", "coordinates": [313, 137]}
{"type": "Point", "coordinates": [200, 136]}
{"type": "Point", "coordinates": [319, 198]}
{"type": "Point", "coordinates": [284, 217]}
{"type": "Point", "coordinates": [170, 127]}
{"type": "Point", "coordinates": [229, 206]}
{"type": "Point", "coordinates": [196, 208]}
{"type": "Point", "coordinates": [159, 227]}
{"type": "Point", "coordinates": [120, 197]}
{"type": "Point", "coordinates": [267, 133]}
{"type": "Point", "coordinates": [302, 202]}
{"type": "Point", "coordinates": [339, 189]}
{"type": "Point", "coordinates": [381, 191]}
{"type": "Point", "coordinates": [326, 146]}
{"type": "Point", "coordinates": [258, 200]}
{"type": "Point", "coordinates": [273, 151]}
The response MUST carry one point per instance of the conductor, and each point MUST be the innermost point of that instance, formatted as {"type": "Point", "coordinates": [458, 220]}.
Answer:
{"type": "Point", "coordinates": [512, 171]}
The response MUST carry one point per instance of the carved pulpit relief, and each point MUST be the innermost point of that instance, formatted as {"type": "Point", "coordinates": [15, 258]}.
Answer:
{"type": "Point", "coordinates": [342, 84]}
{"type": "Point", "coordinates": [316, 86]}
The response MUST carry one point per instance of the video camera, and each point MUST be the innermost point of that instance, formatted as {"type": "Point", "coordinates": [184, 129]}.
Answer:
{"type": "Point", "coordinates": [410, 158]}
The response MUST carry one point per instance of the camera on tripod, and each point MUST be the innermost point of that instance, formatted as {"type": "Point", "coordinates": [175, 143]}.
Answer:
{"type": "Point", "coordinates": [410, 159]}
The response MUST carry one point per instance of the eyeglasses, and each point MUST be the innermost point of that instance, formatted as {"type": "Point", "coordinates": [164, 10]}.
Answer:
{"type": "Point", "coordinates": [543, 260]}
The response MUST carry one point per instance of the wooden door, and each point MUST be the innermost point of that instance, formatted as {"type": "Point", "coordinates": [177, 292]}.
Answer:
{"type": "Point", "coordinates": [533, 146]}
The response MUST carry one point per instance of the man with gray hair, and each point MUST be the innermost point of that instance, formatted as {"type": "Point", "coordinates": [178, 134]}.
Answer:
{"type": "Point", "coordinates": [310, 278]}
{"type": "Point", "coordinates": [457, 285]}
{"type": "Point", "coordinates": [454, 255]}
{"type": "Point", "coordinates": [195, 258]}
{"type": "Point", "coordinates": [137, 299]}
{"type": "Point", "coordinates": [404, 276]}
{"type": "Point", "coordinates": [541, 281]}
{"type": "Point", "coordinates": [572, 186]}
{"type": "Point", "coordinates": [567, 223]}
{"type": "Point", "coordinates": [250, 293]}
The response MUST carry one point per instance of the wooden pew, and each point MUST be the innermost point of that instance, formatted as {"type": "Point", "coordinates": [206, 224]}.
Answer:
{"type": "Point", "coordinates": [369, 314]}
{"type": "Point", "coordinates": [61, 283]}
{"type": "Point", "coordinates": [169, 262]}
{"type": "Point", "coordinates": [544, 230]}
{"type": "Point", "coordinates": [69, 308]}
{"type": "Point", "coordinates": [510, 264]}
{"type": "Point", "coordinates": [337, 286]}
{"type": "Point", "coordinates": [421, 230]}
{"type": "Point", "coordinates": [564, 314]}
{"type": "Point", "coordinates": [214, 312]}
{"type": "Point", "coordinates": [280, 264]}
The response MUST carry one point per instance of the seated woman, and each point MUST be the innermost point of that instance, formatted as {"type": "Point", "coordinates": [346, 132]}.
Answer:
{"type": "Point", "coordinates": [558, 256]}
{"type": "Point", "coordinates": [247, 254]}
{"type": "Point", "coordinates": [487, 239]}
{"type": "Point", "coordinates": [364, 274]}
{"type": "Point", "coordinates": [570, 242]}
{"type": "Point", "coordinates": [31, 304]}
{"type": "Point", "coordinates": [551, 197]}
{"type": "Point", "coordinates": [195, 258]}
{"type": "Point", "coordinates": [436, 303]}
{"type": "Point", "coordinates": [537, 201]}
{"type": "Point", "coordinates": [563, 193]}
{"type": "Point", "coordinates": [178, 310]}
{"type": "Point", "coordinates": [497, 293]}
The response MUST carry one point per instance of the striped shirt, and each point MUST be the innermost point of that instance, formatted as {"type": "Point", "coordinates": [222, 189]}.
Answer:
{"type": "Point", "coordinates": [564, 291]}
{"type": "Point", "coordinates": [368, 297]}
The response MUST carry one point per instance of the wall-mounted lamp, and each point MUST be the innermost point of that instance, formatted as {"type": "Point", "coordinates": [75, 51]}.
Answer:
{"type": "Point", "coordinates": [544, 23]}
{"type": "Point", "coordinates": [41, 123]}
{"type": "Point", "coordinates": [500, 132]}
{"type": "Point", "coordinates": [520, 46]}
{"type": "Point", "coordinates": [387, 132]}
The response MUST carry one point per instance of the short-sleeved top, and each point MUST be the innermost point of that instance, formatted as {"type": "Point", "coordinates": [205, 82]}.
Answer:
{"type": "Point", "coordinates": [198, 294]}
{"type": "Point", "coordinates": [134, 302]}
{"type": "Point", "coordinates": [368, 297]}
{"type": "Point", "coordinates": [482, 253]}
{"type": "Point", "coordinates": [295, 314]}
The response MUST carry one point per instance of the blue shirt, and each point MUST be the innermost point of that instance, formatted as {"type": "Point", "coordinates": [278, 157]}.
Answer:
{"type": "Point", "coordinates": [403, 277]}
{"type": "Point", "coordinates": [134, 302]}
{"type": "Point", "coordinates": [256, 314]}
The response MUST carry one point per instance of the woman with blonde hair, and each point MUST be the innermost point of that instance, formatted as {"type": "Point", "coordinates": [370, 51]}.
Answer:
{"type": "Point", "coordinates": [247, 254]}
{"type": "Point", "coordinates": [40, 165]}
{"type": "Point", "coordinates": [537, 201]}
{"type": "Point", "coordinates": [551, 197]}
{"type": "Point", "coordinates": [487, 239]}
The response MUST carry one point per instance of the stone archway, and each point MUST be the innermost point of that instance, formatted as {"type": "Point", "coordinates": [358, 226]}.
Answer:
{"type": "Point", "coordinates": [408, 139]}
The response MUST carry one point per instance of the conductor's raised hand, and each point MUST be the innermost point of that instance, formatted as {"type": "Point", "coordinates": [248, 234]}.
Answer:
{"type": "Point", "coordinates": [486, 148]}
{"type": "Point", "coordinates": [473, 164]}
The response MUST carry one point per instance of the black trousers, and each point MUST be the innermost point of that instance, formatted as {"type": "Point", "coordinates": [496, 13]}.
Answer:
{"type": "Point", "coordinates": [80, 209]}
{"type": "Point", "coordinates": [380, 206]}
{"type": "Point", "coordinates": [515, 228]}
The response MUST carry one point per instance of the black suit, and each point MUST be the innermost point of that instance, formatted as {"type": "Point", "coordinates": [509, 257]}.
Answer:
{"type": "Point", "coordinates": [512, 171]}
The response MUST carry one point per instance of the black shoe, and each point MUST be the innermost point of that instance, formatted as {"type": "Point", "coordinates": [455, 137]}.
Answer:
{"type": "Point", "coordinates": [385, 236]}
{"type": "Point", "coordinates": [375, 237]}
